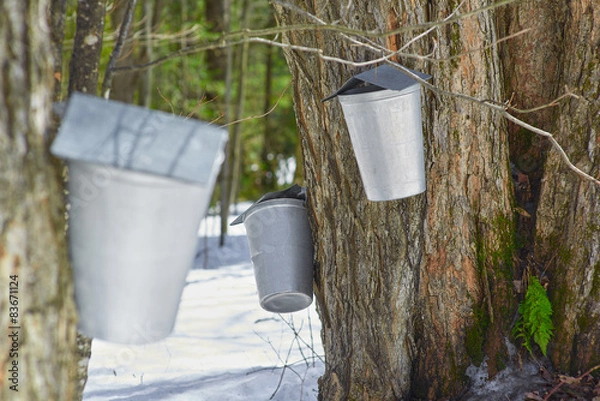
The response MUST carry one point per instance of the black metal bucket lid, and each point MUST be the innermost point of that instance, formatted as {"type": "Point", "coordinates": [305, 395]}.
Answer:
{"type": "Point", "coordinates": [378, 78]}
{"type": "Point", "coordinates": [293, 192]}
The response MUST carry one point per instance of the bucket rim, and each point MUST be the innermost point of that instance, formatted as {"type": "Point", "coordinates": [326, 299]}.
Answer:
{"type": "Point", "coordinates": [275, 203]}
{"type": "Point", "coordinates": [299, 301]}
{"type": "Point", "coordinates": [374, 96]}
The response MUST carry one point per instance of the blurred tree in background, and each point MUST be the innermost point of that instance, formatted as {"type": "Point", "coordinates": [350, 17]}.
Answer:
{"type": "Point", "coordinates": [195, 84]}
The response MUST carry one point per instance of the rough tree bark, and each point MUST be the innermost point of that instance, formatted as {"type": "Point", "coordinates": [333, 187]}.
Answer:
{"type": "Point", "coordinates": [568, 221]}
{"type": "Point", "coordinates": [564, 241]}
{"type": "Point", "coordinates": [531, 70]}
{"type": "Point", "coordinates": [83, 69]}
{"type": "Point", "coordinates": [83, 77]}
{"type": "Point", "coordinates": [58, 9]}
{"type": "Point", "coordinates": [32, 223]}
{"type": "Point", "coordinates": [412, 291]}
{"type": "Point", "coordinates": [465, 297]}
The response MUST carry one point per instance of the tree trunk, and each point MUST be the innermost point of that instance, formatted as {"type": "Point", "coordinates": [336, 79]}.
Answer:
{"type": "Point", "coordinates": [465, 295]}
{"type": "Point", "coordinates": [39, 359]}
{"type": "Point", "coordinates": [83, 75]}
{"type": "Point", "coordinates": [216, 60]}
{"type": "Point", "coordinates": [58, 9]}
{"type": "Point", "coordinates": [226, 167]}
{"type": "Point", "coordinates": [410, 292]}
{"type": "Point", "coordinates": [268, 178]}
{"type": "Point", "coordinates": [236, 134]}
{"type": "Point", "coordinates": [146, 54]}
{"type": "Point", "coordinates": [564, 238]}
{"type": "Point", "coordinates": [531, 67]}
{"type": "Point", "coordinates": [124, 84]}
{"type": "Point", "coordinates": [568, 221]}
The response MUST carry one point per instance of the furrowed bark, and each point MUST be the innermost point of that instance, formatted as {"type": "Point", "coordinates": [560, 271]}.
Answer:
{"type": "Point", "coordinates": [406, 303]}
{"type": "Point", "coordinates": [568, 225]}
{"type": "Point", "coordinates": [33, 251]}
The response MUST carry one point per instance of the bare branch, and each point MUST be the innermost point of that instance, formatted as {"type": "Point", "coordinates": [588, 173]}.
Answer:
{"type": "Point", "coordinates": [554, 143]}
{"type": "Point", "coordinates": [241, 36]}
{"type": "Point", "coordinates": [568, 93]}
{"type": "Point", "coordinates": [403, 29]}
{"type": "Point", "coordinates": [500, 107]}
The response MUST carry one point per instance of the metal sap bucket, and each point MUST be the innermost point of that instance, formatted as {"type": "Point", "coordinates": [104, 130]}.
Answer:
{"type": "Point", "coordinates": [131, 246]}
{"type": "Point", "coordinates": [281, 248]}
{"type": "Point", "coordinates": [132, 233]}
{"type": "Point", "coordinates": [384, 123]}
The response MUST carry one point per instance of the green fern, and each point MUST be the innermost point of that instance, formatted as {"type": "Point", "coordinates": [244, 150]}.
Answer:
{"type": "Point", "coordinates": [535, 318]}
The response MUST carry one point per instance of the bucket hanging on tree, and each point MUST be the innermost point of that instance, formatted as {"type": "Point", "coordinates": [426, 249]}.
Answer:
{"type": "Point", "coordinates": [140, 181]}
{"type": "Point", "coordinates": [280, 242]}
{"type": "Point", "coordinates": [382, 108]}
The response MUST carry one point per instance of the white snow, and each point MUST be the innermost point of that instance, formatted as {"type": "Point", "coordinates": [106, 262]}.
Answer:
{"type": "Point", "coordinates": [226, 348]}
{"type": "Point", "coordinates": [223, 346]}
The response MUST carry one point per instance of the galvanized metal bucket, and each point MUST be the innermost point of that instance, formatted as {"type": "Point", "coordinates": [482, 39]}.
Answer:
{"type": "Point", "coordinates": [139, 183]}
{"type": "Point", "coordinates": [133, 239]}
{"type": "Point", "coordinates": [382, 108]}
{"type": "Point", "coordinates": [281, 248]}
{"type": "Point", "coordinates": [386, 134]}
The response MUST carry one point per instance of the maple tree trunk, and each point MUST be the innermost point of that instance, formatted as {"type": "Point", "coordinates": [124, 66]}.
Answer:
{"type": "Point", "coordinates": [556, 55]}
{"type": "Point", "coordinates": [40, 357]}
{"type": "Point", "coordinates": [568, 217]}
{"type": "Point", "coordinates": [410, 292]}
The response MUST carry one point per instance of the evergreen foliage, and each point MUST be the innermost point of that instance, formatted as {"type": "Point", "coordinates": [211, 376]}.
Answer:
{"type": "Point", "coordinates": [535, 318]}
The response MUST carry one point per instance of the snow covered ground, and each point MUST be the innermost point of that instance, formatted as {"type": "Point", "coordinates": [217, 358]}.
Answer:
{"type": "Point", "coordinates": [223, 347]}
{"type": "Point", "coordinates": [226, 348]}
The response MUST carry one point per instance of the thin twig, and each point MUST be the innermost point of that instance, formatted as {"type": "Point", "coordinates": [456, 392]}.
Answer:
{"type": "Point", "coordinates": [499, 107]}
{"type": "Point", "coordinates": [554, 143]}
{"type": "Point", "coordinates": [299, 338]}
{"type": "Point", "coordinates": [166, 100]}
{"type": "Point", "coordinates": [257, 116]}
{"type": "Point", "coordinates": [287, 358]}
{"type": "Point", "coordinates": [200, 103]}
{"type": "Point", "coordinates": [568, 93]}
{"type": "Point", "coordinates": [555, 389]}
{"type": "Point", "coordinates": [247, 35]}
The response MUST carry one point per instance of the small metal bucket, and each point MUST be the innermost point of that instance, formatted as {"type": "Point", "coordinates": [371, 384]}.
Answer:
{"type": "Point", "coordinates": [132, 240]}
{"type": "Point", "coordinates": [386, 134]}
{"type": "Point", "coordinates": [281, 248]}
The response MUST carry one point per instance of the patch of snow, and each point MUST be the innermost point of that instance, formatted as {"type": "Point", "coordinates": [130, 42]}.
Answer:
{"type": "Point", "coordinates": [478, 375]}
{"type": "Point", "coordinates": [512, 383]}
{"type": "Point", "coordinates": [223, 346]}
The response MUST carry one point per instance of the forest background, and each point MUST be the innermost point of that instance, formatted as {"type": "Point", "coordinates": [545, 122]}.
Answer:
{"type": "Point", "coordinates": [245, 87]}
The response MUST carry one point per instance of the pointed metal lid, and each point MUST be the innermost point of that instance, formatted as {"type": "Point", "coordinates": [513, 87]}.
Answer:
{"type": "Point", "coordinates": [381, 77]}
{"type": "Point", "coordinates": [293, 192]}
{"type": "Point", "coordinates": [139, 139]}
